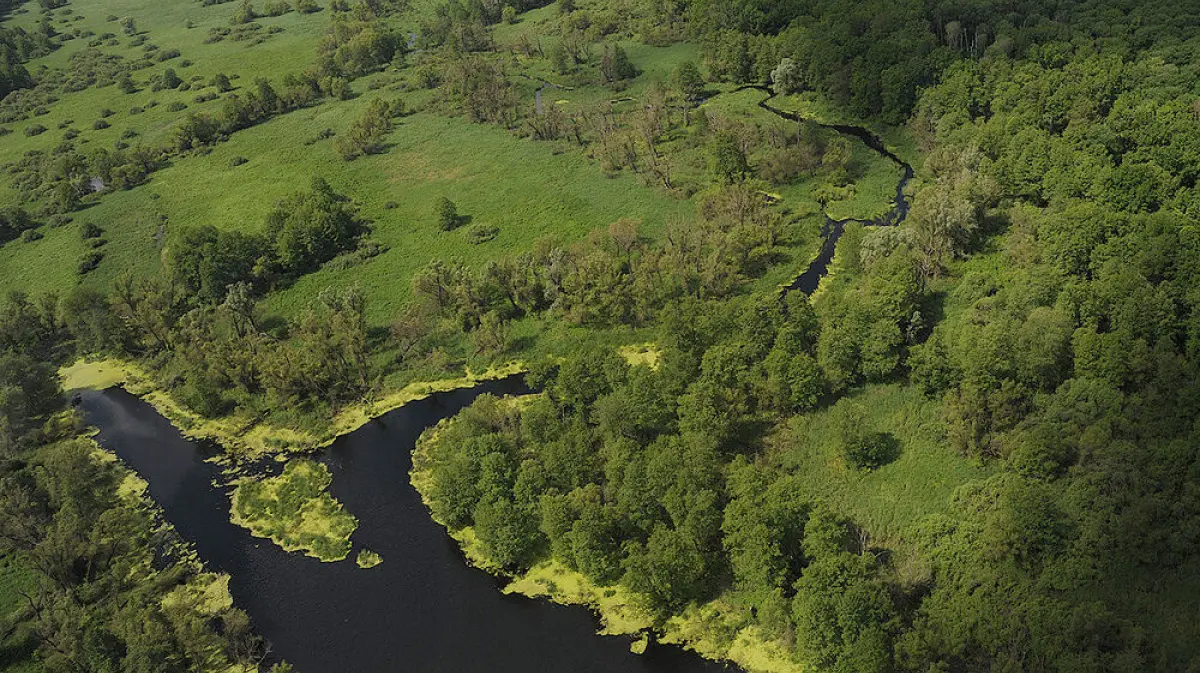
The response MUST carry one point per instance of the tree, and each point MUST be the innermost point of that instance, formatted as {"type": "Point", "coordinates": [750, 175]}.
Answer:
{"type": "Point", "coordinates": [28, 394]}
{"type": "Point", "coordinates": [129, 26]}
{"type": "Point", "coordinates": [491, 336]}
{"type": "Point", "coordinates": [943, 219]}
{"type": "Point", "coordinates": [222, 83]}
{"type": "Point", "coordinates": [727, 159]}
{"type": "Point", "coordinates": [860, 447]}
{"type": "Point", "coordinates": [366, 134]}
{"type": "Point", "coordinates": [310, 228]}
{"type": "Point", "coordinates": [615, 65]}
{"type": "Point", "coordinates": [787, 77]}
{"type": "Point", "coordinates": [845, 619]}
{"type": "Point", "coordinates": [688, 81]}
{"type": "Point", "coordinates": [447, 214]}
{"type": "Point", "coordinates": [86, 314]}
{"type": "Point", "coordinates": [207, 260]}
{"type": "Point", "coordinates": [670, 570]}
{"type": "Point", "coordinates": [509, 533]}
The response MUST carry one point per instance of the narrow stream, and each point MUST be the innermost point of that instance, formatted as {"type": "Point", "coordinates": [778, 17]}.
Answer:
{"type": "Point", "coordinates": [832, 230]}
{"type": "Point", "coordinates": [424, 610]}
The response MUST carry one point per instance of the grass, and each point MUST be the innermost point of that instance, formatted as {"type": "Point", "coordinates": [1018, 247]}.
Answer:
{"type": "Point", "coordinates": [646, 355]}
{"type": "Point", "coordinates": [890, 499]}
{"type": "Point", "coordinates": [296, 512]}
{"type": "Point", "coordinates": [252, 435]}
{"type": "Point", "coordinates": [527, 189]}
{"type": "Point", "coordinates": [367, 559]}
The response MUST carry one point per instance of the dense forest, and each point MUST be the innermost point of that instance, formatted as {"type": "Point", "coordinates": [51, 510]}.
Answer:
{"type": "Point", "coordinates": [1034, 320]}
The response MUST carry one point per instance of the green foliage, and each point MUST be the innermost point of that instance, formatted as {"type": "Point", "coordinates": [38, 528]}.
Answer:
{"type": "Point", "coordinates": [688, 81]}
{"type": "Point", "coordinates": [727, 159]}
{"type": "Point", "coordinates": [310, 228]}
{"type": "Point", "coordinates": [447, 214]}
{"type": "Point", "coordinates": [100, 592]}
{"type": "Point", "coordinates": [296, 511]}
{"type": "Point", "coordinates": [366, 134]}
{"type": "Point", "coordinates": [860, 447]}
{"type": "Point", "coordinates": [207, 260]}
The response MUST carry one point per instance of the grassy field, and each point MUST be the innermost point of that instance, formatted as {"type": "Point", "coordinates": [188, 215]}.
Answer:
{"type": "Point", "coordinates": [527, 189]}
{"type": "Point", "coordinates": [892, 498]}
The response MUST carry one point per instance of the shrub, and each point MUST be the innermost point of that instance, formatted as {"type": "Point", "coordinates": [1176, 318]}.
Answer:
{"type": "Point", "coordinates": [89, 230]}
{"type": "Point", "coordinates": [238, 161]}
{"type": "Point", "coordinates": [30, 235]}
{"type": "Point", "coordinates": [35, 130]}
{"type": "Point", "coordinates": [176, 107]}
{"type": "Point", "coordinates": [100, 125]}
{"type": "Point", "coordinates": [447, 214]}
{"type": "Point", "coordinates": [481, 233]}
{"type": "Point", "coordinates": [861, 448]}
{"type": "Point", "coordinates": [90, 261]}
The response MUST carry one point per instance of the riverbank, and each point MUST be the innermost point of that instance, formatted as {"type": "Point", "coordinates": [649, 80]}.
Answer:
{"type": "Point", "coordinates": [249, 434]}
{"type": "Point", "coordinates": [716, 630]}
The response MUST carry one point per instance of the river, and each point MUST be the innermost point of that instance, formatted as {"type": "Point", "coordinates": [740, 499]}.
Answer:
{"type": "Point", "coordinates": [832, 230]}
{"type": "Point", "coordinates": [424, 610]}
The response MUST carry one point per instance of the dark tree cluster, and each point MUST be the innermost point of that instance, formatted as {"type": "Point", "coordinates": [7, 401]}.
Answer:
{"type": "Point", "coordinates": [110, 591]}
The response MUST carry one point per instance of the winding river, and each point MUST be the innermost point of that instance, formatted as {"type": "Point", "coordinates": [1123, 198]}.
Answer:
{"type": "Point", "coordinates": [832, 230]}
{"type": "Point", "coordinates": [424, 610]}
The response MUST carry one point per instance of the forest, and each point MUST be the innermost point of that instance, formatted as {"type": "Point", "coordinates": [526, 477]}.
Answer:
{"type": "Point", "coordinates": [975, 446]}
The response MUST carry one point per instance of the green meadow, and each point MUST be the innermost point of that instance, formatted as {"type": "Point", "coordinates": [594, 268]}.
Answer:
{"type": "Point", "coordinates": [526, 189]}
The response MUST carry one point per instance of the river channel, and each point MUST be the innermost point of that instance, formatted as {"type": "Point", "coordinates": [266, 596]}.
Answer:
{"type": "Point", "coordinates": [424, 610]}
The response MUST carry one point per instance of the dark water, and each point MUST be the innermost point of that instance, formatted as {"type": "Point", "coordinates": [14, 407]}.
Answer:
{"type": "Point", "coordinates": [422, 611]}
{"type": "Point", "coordinates": [833, 229]}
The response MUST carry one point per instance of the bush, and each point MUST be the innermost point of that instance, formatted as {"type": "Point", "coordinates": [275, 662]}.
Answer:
{"type": "Point", "coordinates": [90, 261]}
{"type": "Point", "coordinates": [100, 125]}
{"type": "Point", "coordinates": [89, 230]}
{"type": "Point", "coordinates": [861, 448]}
{"type": "Point", "coordinates": [30, 235]}
{"type": "Point", "coordinates": [35, 130]}
{"type": "Point", "coordinates": [481, 233]}
{"type": "Point", "coordinates": [447, 214]}
{"type": "Point", "coordinates": [238, 161]}
{"type": "Point", "coordinates": [176, 107]}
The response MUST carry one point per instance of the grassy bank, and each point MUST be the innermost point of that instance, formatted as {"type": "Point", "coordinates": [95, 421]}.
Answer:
{"type": "Point", "coordinates": [252, 435]}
